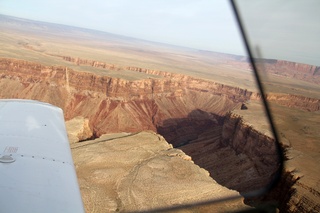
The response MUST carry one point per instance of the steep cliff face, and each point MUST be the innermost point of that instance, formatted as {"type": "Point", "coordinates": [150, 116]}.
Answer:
{"type": "Point", "coordinates": [291, 101]}
{"type": "Point", "coordinates": [289, 69]}
{"type": "Point", "coordinates": [292, 195]}
{"type": "Point", "coordinates": [235, 154]}
{"type": "Point", "coordinates": [114, 104]}
{"type": "Point", "coordinates": [306, 72]}
{"type": "Point", "coordinates": [178, 81]}
{"type": "Point", "coordinates": [258, 147]}
{"type": "Point", "coordinates": [295, 101]}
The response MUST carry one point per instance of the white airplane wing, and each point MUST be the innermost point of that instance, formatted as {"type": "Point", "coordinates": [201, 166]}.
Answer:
{"type": "Point", "coordinates": [37, 173]}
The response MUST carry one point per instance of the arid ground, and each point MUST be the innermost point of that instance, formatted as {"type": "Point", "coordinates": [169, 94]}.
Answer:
{"type": "Point", "coordinates": [118, 92]}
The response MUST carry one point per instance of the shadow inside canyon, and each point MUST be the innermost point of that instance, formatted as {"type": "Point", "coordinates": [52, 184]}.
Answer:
{"type": "Point", "coordinates": [181, 131]}
{"type": "Point", "coordinates": [204, 137]}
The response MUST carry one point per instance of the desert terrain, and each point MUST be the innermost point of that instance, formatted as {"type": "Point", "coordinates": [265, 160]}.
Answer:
{"type": "Point", "coordinates": [154, 125]}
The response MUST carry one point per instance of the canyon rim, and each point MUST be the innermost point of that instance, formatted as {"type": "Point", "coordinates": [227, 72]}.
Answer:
{"type": "Point", "coordinates": [116, 95]}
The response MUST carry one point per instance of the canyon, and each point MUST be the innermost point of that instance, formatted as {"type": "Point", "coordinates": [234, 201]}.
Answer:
{"type": "Point", "coordinates": [305, 72]}
{"type": "Point", "coordinates": [153, 125]}
{"type": "Point", "coordinates": [200, 117]}
{"type": "Point", "coordinates": [195, 115]}
{"type": "Point", "coordinates": [180, 108]}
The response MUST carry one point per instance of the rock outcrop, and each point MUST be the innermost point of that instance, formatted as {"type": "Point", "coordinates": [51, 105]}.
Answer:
{"type": "Point", "coordinates": [114, 104]}
{"type": "Point", "coordinates": [260, 148]}
{"type": "Point", "coordinates": [298, 189]}
{"type": "Point", "coordinates": [288, 69]}
{"type": "Point", "coordinates": [236, 155]}
{"type": "Point", "coordinates": [305, 72]}
{"type": "Point", "coordinates": [142, 171]}
{"type": "Point", "coordinates": [78, 129]}
{"type": "Point", "coordinates": [296, 101]}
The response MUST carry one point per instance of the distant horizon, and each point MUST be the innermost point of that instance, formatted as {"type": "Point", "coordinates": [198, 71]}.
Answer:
{"type": "Point", "coordinates": [283, 30]}
{"type": "Point", "coordinates": [151, 41]}
{"type": "Point", "coordinates": [203, 25]}
{"type": "Point", "coordinates": [245, 56]}
{"type": "Point", "coordinates": [82, 28]}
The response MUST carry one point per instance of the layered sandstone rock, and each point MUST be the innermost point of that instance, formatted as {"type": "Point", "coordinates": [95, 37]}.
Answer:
{"type": "Point", "coordinates": [260, 148]}
{"type": "Point", "coordinates": [296, 101]}
{"type": "Point", "coordinates": [130, 105]}
{"type": "Point", "coordinates": [298, 189]}
{"type": "Point", "coordinates": [306, 72]}
{"type": "Point", "coordinates": [289, 69]}
{"type": "Point", "coordinates": [143, 172]}
{"type": "Point", "coordinates": [78, 129]}
{"type": "Point", "coordinates": [236, 155]}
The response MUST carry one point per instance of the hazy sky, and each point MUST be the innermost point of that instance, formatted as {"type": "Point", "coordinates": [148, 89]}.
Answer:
{"type": "Point", "coordinates": [201, 24]}
{"type": "Point", "coordinates": [287, 30]}
{"type": "Point", "coordinates": [282, 29]}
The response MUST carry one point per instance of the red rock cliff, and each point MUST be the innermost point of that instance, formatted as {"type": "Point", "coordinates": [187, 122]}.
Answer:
{"type": "Point", "coordinates": [299, 71]}
{"type": "Point", "coordinates": [181, 106]}
{"type": "Point", "coordinates": [305, 72]}
{"type": "Point", "coordinates": [113, 104]}
{"type": "Point", "coordinates": [294, 70]}
{"type": "Point", "coordinates": [258, 147]}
